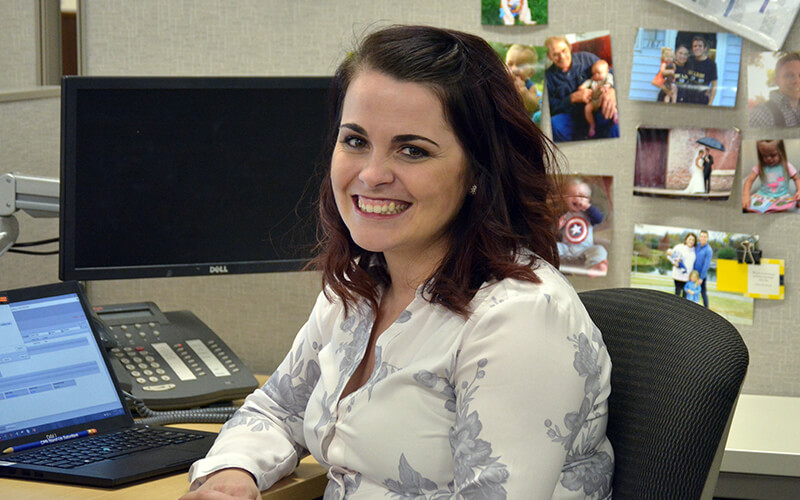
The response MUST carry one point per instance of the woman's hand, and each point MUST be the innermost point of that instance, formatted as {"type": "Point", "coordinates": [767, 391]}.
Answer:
{"type": "Point", "coordinates": [227, 484]}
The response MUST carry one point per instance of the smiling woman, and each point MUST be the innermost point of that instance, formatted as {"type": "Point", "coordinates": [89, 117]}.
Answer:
{"type": "Point", "coordinates": [440, 359]}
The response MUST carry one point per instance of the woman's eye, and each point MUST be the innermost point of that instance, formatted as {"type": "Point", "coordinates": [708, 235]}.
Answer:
{"type": "Point", "coordinates": [354, 142]}
{"type": "Point", "coordinates": [414, 152]}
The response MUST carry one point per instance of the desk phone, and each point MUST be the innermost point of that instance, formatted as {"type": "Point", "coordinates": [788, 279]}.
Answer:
{"type": "Point", "coordinates": [170, 360]}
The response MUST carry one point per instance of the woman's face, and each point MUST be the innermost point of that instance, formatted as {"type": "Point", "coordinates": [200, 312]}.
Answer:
{"type": "Point", "coordinates": [681, 55]}
{"type": "Point", "coordinates": [689, 241]}
{"type": "Point", "coordinates": [399, 174]}
{"type": "Point", "coordinates": [788, 80]}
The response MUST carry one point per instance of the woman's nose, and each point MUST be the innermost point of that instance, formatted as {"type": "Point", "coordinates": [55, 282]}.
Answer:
{"type": "Point", "coordinates": [376, 171]}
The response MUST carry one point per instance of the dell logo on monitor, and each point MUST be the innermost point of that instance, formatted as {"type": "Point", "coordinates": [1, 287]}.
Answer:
{"type": "Point", "coordinates": [218, 269]}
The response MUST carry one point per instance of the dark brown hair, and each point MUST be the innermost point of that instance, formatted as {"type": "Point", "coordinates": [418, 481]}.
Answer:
{"type": "Point", "coordinates": [508, 157]}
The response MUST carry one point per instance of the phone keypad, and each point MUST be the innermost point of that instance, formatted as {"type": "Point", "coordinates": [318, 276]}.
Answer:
{"type": "Point", "coordinates": [142, 366]}
{"type": "Point", "coordinates": [137, 360]}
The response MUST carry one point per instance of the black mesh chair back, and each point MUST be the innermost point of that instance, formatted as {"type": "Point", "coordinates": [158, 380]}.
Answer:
{"type": "Point", "coordinates": [677, 371]}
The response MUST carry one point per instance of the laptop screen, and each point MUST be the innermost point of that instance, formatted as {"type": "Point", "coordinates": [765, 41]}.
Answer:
{"type": "Point", "coordinates": [52, 371]}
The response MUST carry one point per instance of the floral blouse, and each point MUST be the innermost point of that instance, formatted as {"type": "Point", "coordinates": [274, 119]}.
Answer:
{"type": "Point", "coordinates": [509, 403]}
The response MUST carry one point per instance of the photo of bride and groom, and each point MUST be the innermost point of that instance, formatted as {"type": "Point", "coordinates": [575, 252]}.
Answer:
{"type": "Point", "coordinates": [686, 162]}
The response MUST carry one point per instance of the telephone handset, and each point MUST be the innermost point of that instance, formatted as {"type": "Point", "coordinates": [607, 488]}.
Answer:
{"type": "Point", "coordinates": [170, 360]}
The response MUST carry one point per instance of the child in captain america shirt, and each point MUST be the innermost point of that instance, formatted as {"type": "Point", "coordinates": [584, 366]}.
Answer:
{"type": "Point", "coordinates": [576, 235]}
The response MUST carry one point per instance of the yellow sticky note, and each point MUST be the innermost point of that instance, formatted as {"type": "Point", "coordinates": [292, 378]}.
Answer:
{"type": "Point", "coordinates": [731, 276]}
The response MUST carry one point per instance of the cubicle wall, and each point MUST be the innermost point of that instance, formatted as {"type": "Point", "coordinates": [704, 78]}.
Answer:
{"type": "Point", "coordinates": [258, 315]}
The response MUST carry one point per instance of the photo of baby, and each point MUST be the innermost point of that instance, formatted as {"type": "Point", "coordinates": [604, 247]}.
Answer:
{"type": "Point", "coordinates": [513, 12]}
{"type": "Point", "coordinates": [685, 67]}
{"type": "Point", "coordinates": [526, 64]}
{"type": "Point", "coordinates": [686, 162]}
{"type": "Point", "coordinates": [580, 88]}
{"type": "Point", "coordinates": [683, 261]}
{"type": "Point", "coordinates": [773, 83]}
{"type": "Point", "coordinates": [771, 183]}
{"type": "Point", "coordinates": [585, 227]}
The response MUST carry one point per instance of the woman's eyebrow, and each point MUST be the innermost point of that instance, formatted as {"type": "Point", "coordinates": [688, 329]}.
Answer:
{"type": "Point", "coordinates": [354, 127]}
{"type": "Point", "coordinates": [412, 137]}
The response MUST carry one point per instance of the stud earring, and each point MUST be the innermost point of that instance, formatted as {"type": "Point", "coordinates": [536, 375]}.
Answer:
{"type": "Point", "coordinates": [473, 189]}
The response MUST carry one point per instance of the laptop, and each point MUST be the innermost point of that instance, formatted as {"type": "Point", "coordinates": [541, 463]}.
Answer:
{"type": "Point", "coordinates": [60, 399]}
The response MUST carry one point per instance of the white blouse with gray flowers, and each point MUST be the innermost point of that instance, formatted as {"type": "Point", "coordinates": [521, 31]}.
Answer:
{"type": "Point", "coordinates": [511, 403]}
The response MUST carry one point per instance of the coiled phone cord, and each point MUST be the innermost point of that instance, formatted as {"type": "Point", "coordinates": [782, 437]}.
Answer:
{"type": "Point", "coordinates": [215, 415]}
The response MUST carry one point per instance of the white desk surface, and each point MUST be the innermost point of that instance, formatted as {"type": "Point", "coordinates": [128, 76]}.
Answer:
{"type": "Point", "coordinates": [764, 437]}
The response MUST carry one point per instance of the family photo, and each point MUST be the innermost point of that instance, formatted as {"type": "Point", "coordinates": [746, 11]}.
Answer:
{"type": "Point", "coordinates": [580, 87]}
{"type": "Point", "coordinates": [773, 83]}
{"type": "Point", "coordinates": [683, 261]}
{"type": "Point", "coordinates": [526, 64]}
{"type": "Point", "coordinates": [514, 12]}
{"type": "Point", "coordinates": [770, 182]}
{"type": "Point", "coordinates": [671, 66]}
{"type": "Point", "coordinates": [686, 162]}
{"type": "Point", "coordinates": [585, 227]}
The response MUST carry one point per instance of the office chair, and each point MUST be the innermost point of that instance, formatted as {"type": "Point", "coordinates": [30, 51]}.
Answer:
{"type": "Point", "coordinates": [677, 370]}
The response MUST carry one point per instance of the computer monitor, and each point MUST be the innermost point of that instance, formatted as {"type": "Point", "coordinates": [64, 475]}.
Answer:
{"type": "Point", "coordinates": [183, 176]}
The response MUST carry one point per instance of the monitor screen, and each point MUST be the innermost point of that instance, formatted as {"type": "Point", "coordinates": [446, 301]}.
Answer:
{"type": "Point", "coordinates": [180, 176]}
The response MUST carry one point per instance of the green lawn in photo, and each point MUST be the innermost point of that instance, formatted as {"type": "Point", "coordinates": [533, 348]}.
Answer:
{"type": "Point", "coordinates": [736, 308]}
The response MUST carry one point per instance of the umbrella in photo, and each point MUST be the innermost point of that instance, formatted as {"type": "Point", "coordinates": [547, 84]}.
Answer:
{"type": "Point", "coordinates": [712, 143]}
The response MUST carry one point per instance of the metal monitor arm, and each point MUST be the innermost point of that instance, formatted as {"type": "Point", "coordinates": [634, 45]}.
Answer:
{"type": "Point", "coordinates": [38, 196]}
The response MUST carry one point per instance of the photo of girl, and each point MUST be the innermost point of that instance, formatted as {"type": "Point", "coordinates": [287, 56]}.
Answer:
{"type": "Point", "coordinates": [689, 67]}
{"type": "Point", "coordinates": [767, 188]}
{"type": "Point", "coordinates": [686, 162]}
{"type": "Point", "coordinates": [513, 12]}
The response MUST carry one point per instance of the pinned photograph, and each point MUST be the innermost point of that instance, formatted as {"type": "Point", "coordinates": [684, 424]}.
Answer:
{"type": "Point", "coordinates": [686, 162]}
{"type": "Point", "coordinates": [514, 12]}
{"type": "Point", "coordinates": [773, 83]}
{"type": "Point", "coordinates": [580, 87]}
{"type": "Point", "coordinates": [526, 64]}
{"type": "Point", "coordinates": [685, 67]}
{"type": "Point", "coordinates": [683, 261]}
{"type": "Point", "coordinates": [771, 183]}
{"type": "Point", "coordinates": [585, 227]}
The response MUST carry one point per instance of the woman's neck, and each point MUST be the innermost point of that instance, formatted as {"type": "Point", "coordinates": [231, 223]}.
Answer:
{"type": "Point", "coordinates": [408, 272]}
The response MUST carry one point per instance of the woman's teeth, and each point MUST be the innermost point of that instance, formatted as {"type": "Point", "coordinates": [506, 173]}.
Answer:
{"type": "Point", "coordinates": [383, 208]}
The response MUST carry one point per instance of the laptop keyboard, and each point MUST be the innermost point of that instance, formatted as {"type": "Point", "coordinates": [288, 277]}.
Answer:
{"type": "Point", "coordinates": [86, 451]}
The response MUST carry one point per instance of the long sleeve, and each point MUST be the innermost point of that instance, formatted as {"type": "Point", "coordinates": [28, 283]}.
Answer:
{"type": "Point", "coordinates": [702, 260]}
{"type": "Point", "coordinates": [265, 436]}
{"type": "Point", "coordinates": [531, 384]}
